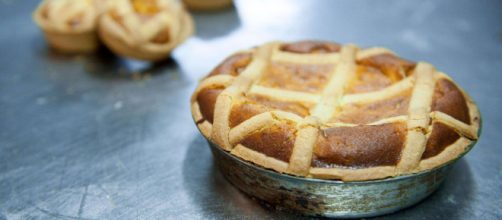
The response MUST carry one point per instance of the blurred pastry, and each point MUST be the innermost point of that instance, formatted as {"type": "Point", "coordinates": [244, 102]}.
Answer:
{"type": "Point", "coordinates": [69, 25]}
{"type": "Point", "coordinates": [204, 5]}
{"type": "Point", "coordinates": [144, 29]}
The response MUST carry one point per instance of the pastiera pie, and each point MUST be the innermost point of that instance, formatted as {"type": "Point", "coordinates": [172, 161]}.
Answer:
{"type": "Point", "coordinates": [69, 25]}
{"type": "Point", "coordinates": [145, 29]}
{"type": "Point", "coordinates": [323, 110]}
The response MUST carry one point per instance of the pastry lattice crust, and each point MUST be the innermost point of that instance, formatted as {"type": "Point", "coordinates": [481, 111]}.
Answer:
{"type": "Point", "coordinates": [323, 110]}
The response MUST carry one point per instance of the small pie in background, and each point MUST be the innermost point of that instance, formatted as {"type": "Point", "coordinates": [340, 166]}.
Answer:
{"type": "Point", "coordinates": [330, 111]}
{"type": "Point", "coordinates": [69, 25]}
{"type": "Point", "coordinates": [144, 29]}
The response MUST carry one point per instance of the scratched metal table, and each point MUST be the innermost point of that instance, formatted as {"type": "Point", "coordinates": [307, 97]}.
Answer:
{"type": "Point", "coordinates": [98, 137]}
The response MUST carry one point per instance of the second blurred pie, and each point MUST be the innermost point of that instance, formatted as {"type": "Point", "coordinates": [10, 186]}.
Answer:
{"type": "Point", "coordinates": [144, 29]}
{"type": "Point", "coordinates": [68, 25]}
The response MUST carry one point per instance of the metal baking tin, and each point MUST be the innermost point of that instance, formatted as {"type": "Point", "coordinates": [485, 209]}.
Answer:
{"type": "Point", "coordinates": [329, 198]}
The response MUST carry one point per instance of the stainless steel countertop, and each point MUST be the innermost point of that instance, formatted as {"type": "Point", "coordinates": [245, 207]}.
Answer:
{"type": "Point", "coordinates": [85, 138]}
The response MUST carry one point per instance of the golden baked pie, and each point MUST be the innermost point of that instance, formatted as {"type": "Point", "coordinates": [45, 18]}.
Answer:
{"type": "Point", "coordinates": [330, 111]}
{"type": "Point", "coordinates": [69, 25]}
{"type": "Point", "coordinates": [207, 4]}
{"type": "Point", "coordinates": [145, 29]}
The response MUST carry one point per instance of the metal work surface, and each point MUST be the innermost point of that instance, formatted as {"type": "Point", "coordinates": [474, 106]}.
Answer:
{"type": "Point", "coordinates": [99, 137]}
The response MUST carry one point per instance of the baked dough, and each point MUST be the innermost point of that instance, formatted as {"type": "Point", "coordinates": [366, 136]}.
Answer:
{"type": "Point", "coordinates": [69, 25]}
{"type": "Point", "coordinates": [330, 111]}
{"type": "Point", "coordinates": [145, 29]}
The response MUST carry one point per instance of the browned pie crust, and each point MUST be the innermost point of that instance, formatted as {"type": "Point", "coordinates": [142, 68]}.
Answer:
{"type": "Point", "coordinates": [331, 111]}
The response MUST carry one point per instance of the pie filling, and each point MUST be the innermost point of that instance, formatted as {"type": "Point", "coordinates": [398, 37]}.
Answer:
{"type": "Point", "coordinates": [276, 141]}
{"type": "Point", "coordinates": [255, 104]}
{"type": "Point", "coordinates": [296, 77]}
{"type": "Point", "coordinates": [311, 47]}
{"type": "Point", "coordinates": [145, 7]}
{"type": "Point", "coordinates": [392, 66]}
{"type": "Point", "coordinates": [441, 137]}
{"type": "Point", "coordinates": [162, 37]}
{"type": "Point", "coordinates": [449, 99]}
{"type": "Point", "coordinates": [360, 146]}
{"type": "Point", "coordinates": [365, 113]}
{"type": "Point", "coordinates": [233, 65]}
{"type": "Point", "coordinates": [368, 79]}
{"type": "Point", "coordinates": [207, 100]}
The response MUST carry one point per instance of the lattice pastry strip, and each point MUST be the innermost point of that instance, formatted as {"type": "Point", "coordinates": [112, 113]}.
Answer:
{"type": "Point", "coordinates": [221, 128]}
{"type": "Point", "coordinates": [333, 92]}
{"type": "Point", "coordinates": [302, 151]}
{"type": "Point", "coordinates": [418, 117]}
{"type": "Point", "coordinates": [429, 108]}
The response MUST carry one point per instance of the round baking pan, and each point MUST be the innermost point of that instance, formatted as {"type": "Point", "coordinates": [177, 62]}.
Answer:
{"type": "Point", "coordinates": [329, 198]}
